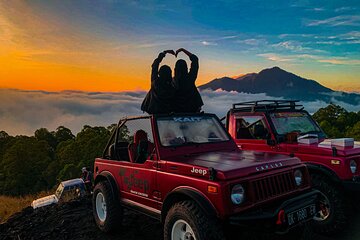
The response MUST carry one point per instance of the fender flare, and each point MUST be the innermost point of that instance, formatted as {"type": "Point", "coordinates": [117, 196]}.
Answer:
{"type": "Point", "coordinates": [323, 170]}
{"type": "Point", "coordinates": [184, 193]}
{"type": "Point", "coordinates": [107, 176]}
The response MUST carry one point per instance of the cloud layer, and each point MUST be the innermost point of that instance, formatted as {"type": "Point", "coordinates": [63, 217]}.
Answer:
{"type": "Point", "coordinates": [22, 112]}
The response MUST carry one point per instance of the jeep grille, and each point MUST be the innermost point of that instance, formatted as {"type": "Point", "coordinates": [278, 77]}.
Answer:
{"type": "Point", "coordinates": [272, 186]}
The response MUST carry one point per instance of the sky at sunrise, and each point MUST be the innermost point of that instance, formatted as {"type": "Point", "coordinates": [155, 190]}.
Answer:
{"type": "Point", "coordinates": [109, 45]}
{"type": "Point", "coordinates": [80, 62]}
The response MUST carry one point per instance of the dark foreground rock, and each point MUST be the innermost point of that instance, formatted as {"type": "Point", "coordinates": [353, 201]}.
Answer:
{"type": "Point", "coordinates": [74, 220]}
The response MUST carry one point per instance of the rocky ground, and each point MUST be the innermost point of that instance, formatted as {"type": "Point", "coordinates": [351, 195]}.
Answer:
{"type": "Point", "coordinates": [74, 220]}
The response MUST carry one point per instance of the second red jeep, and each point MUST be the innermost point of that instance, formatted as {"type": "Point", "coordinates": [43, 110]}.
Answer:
{"type": "Point", "coordinates": [285, 127]}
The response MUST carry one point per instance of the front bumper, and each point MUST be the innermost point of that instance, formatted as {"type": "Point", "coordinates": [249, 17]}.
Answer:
{"type": "Point", "coordinates": [268, 218]}
{"type": "Point", "coordinates": [353, 185]}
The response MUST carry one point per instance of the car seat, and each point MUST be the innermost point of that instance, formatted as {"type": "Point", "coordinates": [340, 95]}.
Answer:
{"type": "Point", "coordinates": [260, 132]}
{"type": "Point", "coordinates": [141, 148]}
{"type": "Point", "coordinates": [243, 133]}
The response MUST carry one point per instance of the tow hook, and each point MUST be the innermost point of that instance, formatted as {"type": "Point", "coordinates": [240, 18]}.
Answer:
{"type": "Point", "coordinates": [280, 217]}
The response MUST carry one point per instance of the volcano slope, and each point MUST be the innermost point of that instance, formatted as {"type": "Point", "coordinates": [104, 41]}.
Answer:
{"type": "Point", "coordinates": [74, 220]}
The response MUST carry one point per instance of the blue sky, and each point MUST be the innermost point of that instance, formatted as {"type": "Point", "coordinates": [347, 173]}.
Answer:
{"type": "Point", "coordinates": [318, 40]}
{"type": "Point", "coordinates": [107, 47]}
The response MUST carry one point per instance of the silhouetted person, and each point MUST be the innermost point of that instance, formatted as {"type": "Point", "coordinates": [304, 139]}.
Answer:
{"type": "Point", "coordinates": [187, 97]}
{"type": "Point", "coordinates": [161, 93]}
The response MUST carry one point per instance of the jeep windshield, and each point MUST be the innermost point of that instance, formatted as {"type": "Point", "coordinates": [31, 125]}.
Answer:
{"type": "Point", "coordinates": [301, 122]}
{"type": "Point", "coordinates": [190, 130]}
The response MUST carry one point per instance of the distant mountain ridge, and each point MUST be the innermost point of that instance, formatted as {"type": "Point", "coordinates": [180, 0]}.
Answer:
{"type": "Point", "coordinates": [277, 82]}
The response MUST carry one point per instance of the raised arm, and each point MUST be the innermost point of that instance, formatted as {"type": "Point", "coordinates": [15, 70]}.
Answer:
{"type": "Point", "coordinates": [184, 51]}
{"type": "Point", "coordinates": [155, 66]}
{"type": "Point", "coordinates": [194, 68]}
{"type": "Point", "coordinates": [156, 63]}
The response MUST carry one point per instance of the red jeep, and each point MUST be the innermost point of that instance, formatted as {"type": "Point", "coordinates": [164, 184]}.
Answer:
{"type": "Point", "coordinates": [285, 127]}
{"type": "Point", "coordinates": [186, 171]}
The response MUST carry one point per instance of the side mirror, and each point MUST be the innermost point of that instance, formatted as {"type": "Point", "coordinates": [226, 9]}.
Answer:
{"type": "Point", "coordinates": [270, 142]}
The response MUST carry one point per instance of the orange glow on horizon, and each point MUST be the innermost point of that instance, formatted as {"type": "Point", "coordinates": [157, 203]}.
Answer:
{"type": "Point", "coordinates": [34, 75]}
{"type": "Point", "coordinates": [24, 69]}
{"type": "Point", "coordinates": [40, 52]}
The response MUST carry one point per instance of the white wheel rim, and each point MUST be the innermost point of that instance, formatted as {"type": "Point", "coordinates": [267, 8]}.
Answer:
{"type": "Point", "coordinates": [325, 210]}
{"type": "Point", "coordinates": [101, 207]}
{"type": "Point", "coordinates": [181, 230]}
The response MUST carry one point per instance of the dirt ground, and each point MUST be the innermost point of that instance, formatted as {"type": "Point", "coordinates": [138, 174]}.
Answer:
{"type": "Point", "coordinates": [74, 220]}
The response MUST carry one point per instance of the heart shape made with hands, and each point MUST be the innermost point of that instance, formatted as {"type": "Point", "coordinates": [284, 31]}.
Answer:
{"type": "Point", "coordinates": [173, 52]}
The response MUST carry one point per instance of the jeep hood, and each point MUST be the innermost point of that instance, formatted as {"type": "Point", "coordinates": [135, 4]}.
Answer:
{"type": "Point", "coordinates": [230, 164]}
{"type": "Point", "coordinates": [44, 201]}
{"type": "Point", "coordinates": [326, 149]}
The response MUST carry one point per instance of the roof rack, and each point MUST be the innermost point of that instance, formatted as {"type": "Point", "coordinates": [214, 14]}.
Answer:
{"type": "Point", "coordinates": [267, 105]}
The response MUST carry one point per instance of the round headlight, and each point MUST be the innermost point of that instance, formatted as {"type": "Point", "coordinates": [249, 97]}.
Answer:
{"type": "Point", "coordinates": [299, 178]}
{"type": "Point", "coordinates": [353, 166]}
{"type": "Point", "coordinates": [238, 194]}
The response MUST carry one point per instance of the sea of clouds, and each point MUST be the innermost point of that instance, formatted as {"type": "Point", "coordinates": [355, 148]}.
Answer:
{"type": "Point", "coordinates": [22, 112]}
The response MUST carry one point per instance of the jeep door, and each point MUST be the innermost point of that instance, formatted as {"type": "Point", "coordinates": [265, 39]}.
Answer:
{"type": "Point", "coordinates": [252, 131]}
{"type": "Point", "coordinates": [137, 174]}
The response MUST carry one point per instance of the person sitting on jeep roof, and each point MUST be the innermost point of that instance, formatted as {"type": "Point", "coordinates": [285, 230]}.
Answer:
{"type": "Point", "coordinates": [187, 98]}
{"type": "Point", "coordinates": [161, 93]}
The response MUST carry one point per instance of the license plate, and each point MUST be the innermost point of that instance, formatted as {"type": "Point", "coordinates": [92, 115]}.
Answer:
{"type": "Point", "coordinates": [301, 215]}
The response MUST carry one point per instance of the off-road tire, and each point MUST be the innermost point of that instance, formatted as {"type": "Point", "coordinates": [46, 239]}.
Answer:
{"type": "Point", "coordinates": [114, 212]}
{"type": "Point", "coordinates": [339, 211]}
{"type": "Point", "coordinates": [203, 226]}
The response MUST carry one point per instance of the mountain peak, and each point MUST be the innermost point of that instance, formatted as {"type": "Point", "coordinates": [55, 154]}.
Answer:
{"type": "Point", "coordinates": [275, 69]}
{"type": "Point", "coordinates": [277, 82]}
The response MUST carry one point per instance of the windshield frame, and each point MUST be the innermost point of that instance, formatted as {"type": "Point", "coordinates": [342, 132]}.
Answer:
{"type": "Point", "coordinates": [320, 133]}
{"type": "Point", "coordinates": [195, 144]}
